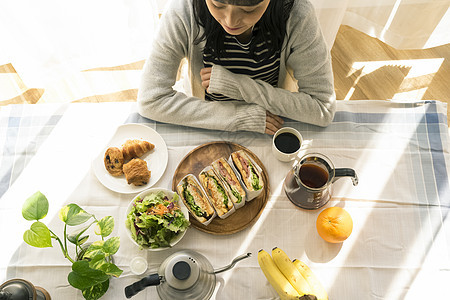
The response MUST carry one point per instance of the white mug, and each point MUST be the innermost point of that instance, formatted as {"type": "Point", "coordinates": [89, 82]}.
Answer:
{"type": "Point", "coordinates": [286, 143]}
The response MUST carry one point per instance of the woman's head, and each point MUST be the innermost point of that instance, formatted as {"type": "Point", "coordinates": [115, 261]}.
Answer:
{"type": "Point", "coordinates": [237, 16]}
{"type": "Point", "coordinates": [240, 2]}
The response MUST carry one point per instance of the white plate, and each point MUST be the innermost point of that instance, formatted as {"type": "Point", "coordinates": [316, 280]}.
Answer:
{"type": "Point", "coordinates": [169, 194]}
{"type": "Point", "coordinates": [156, 159]}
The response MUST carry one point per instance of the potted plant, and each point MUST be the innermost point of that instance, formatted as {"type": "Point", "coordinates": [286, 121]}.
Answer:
{"type": "Point", "coordinates": [92, 266]}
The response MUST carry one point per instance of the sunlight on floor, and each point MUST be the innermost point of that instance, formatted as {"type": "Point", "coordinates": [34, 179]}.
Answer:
{"type": "Point", "coordinates": [415, 83]}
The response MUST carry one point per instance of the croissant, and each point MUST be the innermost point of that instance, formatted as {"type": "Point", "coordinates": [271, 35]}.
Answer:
{"type": "Point", "coordinates": [135, 148]}
{"type": "Point", "coordinates": [136, 172]}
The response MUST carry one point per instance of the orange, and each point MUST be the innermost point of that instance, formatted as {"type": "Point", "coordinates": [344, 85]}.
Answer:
{"type": "Point", "coordinates": [334, 224]}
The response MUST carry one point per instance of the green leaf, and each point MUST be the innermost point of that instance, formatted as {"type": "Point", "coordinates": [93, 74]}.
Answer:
{"type": "Point", "coordinates": [105, 226]}
{"type": "Point", "coordinates": [38, 235]}
{"type": "Point", "coordinates": [73, 215]}
{"type": "Point", "coordinates": [82, 240]}
{"type": "Point", "coordinates": [107, 248]}
{"type": "Point", "coordinates": [83, 277]}
{"type": "Point", "coordinates": [94, 249]}
{"type": "Point", "coordinates": [76, 238]}
{"type": "Point", "coordinates": [35, 207]}
{"type": "Point", "coordinates": [96, 291]}
{"type": "Point", "coordinates": [97, 261]}
{"type": "Point", "coordinates": [111, 246]}
{"type": "Point", "coordinates": [111, 269]}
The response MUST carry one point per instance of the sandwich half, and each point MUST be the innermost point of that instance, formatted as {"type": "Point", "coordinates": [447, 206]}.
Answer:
{"type": "Point", "coordinates": [249, 172]}
{"type": "Point", "coordinates": [229, 178]}
{"type": "Point", "coordinates": [195, 199]}
{"type": "Point", "coordinates": [216, 191]}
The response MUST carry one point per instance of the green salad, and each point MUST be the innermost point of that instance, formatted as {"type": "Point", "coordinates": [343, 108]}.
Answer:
{"type": "Point", "coordinates": [155, 220]}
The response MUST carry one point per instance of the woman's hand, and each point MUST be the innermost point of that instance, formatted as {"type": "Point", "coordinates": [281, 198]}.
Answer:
{"type": "Point", "coordinates": [273, 123]}
{"type": "Point", "coordinates": [205, 74]}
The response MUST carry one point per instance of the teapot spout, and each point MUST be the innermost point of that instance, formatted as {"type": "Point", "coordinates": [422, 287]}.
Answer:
{"type": "Point", "coordinates": [231, 265]}
{"type": "Point", "coordinates": [346, 172]}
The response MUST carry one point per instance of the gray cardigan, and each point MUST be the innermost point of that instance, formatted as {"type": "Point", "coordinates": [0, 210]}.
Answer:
{"type": "Point", "coordinates": [305, 89]}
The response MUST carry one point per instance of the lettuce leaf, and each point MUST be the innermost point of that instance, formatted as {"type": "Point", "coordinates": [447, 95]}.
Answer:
{"type": "Point", "coordinates": [255, 178]}
{"type": "Point", "coordinates": [153, 230]}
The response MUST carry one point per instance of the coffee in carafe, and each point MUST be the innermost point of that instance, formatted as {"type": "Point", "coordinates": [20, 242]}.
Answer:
{"type": "Point", "coordinates": [313, 175]}
{"type": "Point", "coordinates": [309, 184]}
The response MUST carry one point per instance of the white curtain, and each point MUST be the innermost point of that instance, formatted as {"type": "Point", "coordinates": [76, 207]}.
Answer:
{"type": "Point", "coordinates": [47, 39]}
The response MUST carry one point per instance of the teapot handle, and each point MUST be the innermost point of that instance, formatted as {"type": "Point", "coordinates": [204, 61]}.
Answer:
{"type": "Point", "coordinates": [133, 289]}
{"type": "Point", "coordinates": [346, 172]}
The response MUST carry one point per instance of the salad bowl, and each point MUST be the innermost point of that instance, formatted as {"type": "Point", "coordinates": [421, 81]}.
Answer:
{"type": "Point", "coordinates": [156, 219]}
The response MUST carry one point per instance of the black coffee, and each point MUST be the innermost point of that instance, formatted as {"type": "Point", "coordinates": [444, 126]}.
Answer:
{"type": "Point", "coordinates": [313, 176]}
{"type": "Point", "coordinates": [287, 142]}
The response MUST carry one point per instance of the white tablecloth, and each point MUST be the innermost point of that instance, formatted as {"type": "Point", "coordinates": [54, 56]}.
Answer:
{"type": "Point", "coordinates": [399, 247]}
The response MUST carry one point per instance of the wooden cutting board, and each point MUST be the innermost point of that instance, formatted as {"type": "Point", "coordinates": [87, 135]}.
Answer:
{"type": "Point", "coordinates": [196, 160]}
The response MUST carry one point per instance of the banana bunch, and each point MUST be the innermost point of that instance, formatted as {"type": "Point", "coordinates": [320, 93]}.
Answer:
{"type": "Point", "coordinates": [290, 279]}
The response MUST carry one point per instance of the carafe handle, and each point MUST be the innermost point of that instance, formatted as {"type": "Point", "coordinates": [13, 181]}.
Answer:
{"type": "Point", "coordinates": [346, 172]}
{"type": "Point", "coordinates": [138, 286]}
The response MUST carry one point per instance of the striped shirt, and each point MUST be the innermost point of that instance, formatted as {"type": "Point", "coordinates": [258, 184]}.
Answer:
{"type": "Point", "coordinates": [239, 61]}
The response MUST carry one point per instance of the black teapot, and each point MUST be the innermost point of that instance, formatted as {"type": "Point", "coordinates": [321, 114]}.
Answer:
{"type": "Point", "coordinates": [20, 289]}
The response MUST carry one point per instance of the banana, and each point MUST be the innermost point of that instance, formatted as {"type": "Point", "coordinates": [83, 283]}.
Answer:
{"type": "Point", "coordinates": [316, 287]}
{"type": "Point", "coordinates": [292, 274]}
{"type": "Point", "coordinates": [281, 285]}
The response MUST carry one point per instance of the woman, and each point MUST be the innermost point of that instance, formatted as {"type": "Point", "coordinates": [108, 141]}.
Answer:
{"type": "Point", "coordinates": [244, 58]}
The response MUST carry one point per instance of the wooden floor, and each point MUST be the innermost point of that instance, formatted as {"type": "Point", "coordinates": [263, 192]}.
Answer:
{"type": "Point", "coordinates": [364, 68]}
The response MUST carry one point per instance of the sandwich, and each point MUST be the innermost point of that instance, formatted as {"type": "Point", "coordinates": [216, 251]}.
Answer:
{"type": "Point", "coordinates": [216, 191]}
{"type": "Point", "coordinates": [195, 199]}
{"type": "Point", "coordinates": [249, 172]}
{"type": "Point", "coordinates": [229, 178]}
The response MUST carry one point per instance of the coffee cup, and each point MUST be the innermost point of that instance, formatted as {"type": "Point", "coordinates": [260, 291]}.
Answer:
{"type": "Point", "coordinates": [286, 144]}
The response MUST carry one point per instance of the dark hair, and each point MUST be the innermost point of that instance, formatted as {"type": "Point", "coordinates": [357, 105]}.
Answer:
{"type": "Point", "coordinates": [241, 2]}
{"type": "Point", "coordinates": [271, 27]}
